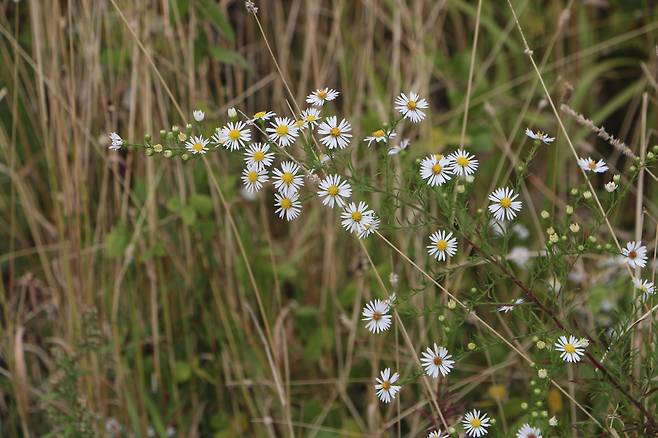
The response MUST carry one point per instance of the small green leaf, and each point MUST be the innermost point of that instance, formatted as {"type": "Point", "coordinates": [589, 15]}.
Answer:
{"type": "Point", "coordinates": [207, 8]}
{"type": "Point", "coordinates": [188, 214]}
{"type": "Point", "coordinates": [201, 203]}
{"type": "Point", "coordinates": [183, 372]}
{"type": "Point", "coordinates": [227, 56]}
{"type": "Point", "coordinates": [117, 241]}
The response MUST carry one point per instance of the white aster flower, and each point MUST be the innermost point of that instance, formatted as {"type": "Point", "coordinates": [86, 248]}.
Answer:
{"type": "Point", "coordinates": [571, 349]}
{"type": "Point", "coordinates": [369, 227]}
{"type": "Point", "coordinates": [386, 387]}
{"type": "Point", "coordinates": [334, 191]}
{"type": "Point", "coordinates": [463, 163]}
{"type": "Point", "coordinates": [410, 106]}
{"type": "Point", "coordinates": [379, 136]}
{"type": "Point", "coordinates": [116, 141]}
{"type": "Point", "coordinates": [233, 136]}
{"type": "Point", "coordinates": [437, 434]}
{"type": "Point", "coordinates": [197, 145]}
{"type": "Point", "coordinates": [287, 206]}
{"type": "Point", "coordinates": [476, 423]}
{"type": "Point", "coordinates": [539, 135]}
{"type": "Point", "coordinates": [509, 307]}
{"type": "Point", "coordinates": [552, 421]}
{"type": "Point", "coordinates": [645, 286]}
{"type": "Point", "coordinates": [335, 135]}
{"type": "Point", "coordinates": [442, 246]}
{"type": "Point", "coordinates": [254, 178]}
{"type": "Point", "coordinates": [261, 115]}
{"type": "Point", "coordinates": [437, 361]}
{"type": "Point", "coordinates": [286, 180]}
{"type": "Point", "coordinates": [404, 143]}
{"type": "Point", "coordinates": [376, 314]}
{"type": "Point", "coordinates": [283, 131]}
{"type": "Point", "coordinates": [437, 171]}
{"type": "Point", "coordinates": [527, 431]}
{"type": "Point", "coordinates": [232, 113]}
{"type": "Point", "coordinates": [310, 117]}
{"type": "Point", "coordinates": [257, 154]}
{"type": "Point", "coordinates": [504, 206]}
{"type": "Point", "coordinates": [198, 115]}
{"type": "Point", "coordinates": [635, 254]}
{"type": "Point", "coordinates": [356, 217]}
{"type": "Point", "coordinates": [589, 165]}
{"type": "Point", "coordinates": [610, 187]}
{"type": "Point", "coordinates": [321, 95]}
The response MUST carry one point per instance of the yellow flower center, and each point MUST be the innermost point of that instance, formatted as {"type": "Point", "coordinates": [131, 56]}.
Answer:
{"type": "Point", "coordinates": [335, 132]}
{"type": "Point", "coordinates": [592, 164]}
{"type": "Point", "coordinates": [462, 161]}
{"type": "Point", "coordinates": [411, 105]}
{"type": "Point", "coordinates": [287, 178]}
{"type": "Point", "coordinates": [322, 94]}
{"type": "Point", "coordinates": [441, 245]}
{"type": "Point", "coordinates": [505, 202]}
{"type": "Point", "coordinates": [282, 130]}
{"type": "Point", "coordinates": [311, 118]}
{"type": "Point", "coordinates": [299, 123]}
{"type": "Point", "coordinates": [378, 134]}
{"type": "Point", "coordinates": [253, 176]}
{"type": "Point", "coordinates": [259, 114]}
{"type": "Point", "coordinates": [285, 203]}
{"type": "Point", "coordinates": [569, 348]}
{"type": "Point", "coordinates": [475, 423]}
{"type": "Point", "coordinates": [386, 385]}
{"type": "Point", "coordinates": [436, 169]}
{"type": "Point", "coordinates": [632, 255]}
{"type": "Point", "coordinates": [234, 134]}
{"type": "Point", "coordinates": [198, 147]}
{"type": "Point", "coordinates": [376, 316]}
{"type": "Point", "coordinates": [356, 216]}
{"type": "Point", "coordinates": [438, 361]}
{"type": "Point", "coordinates": [332, 190]}
{"type": "Point", "coordinates": [259, 156]}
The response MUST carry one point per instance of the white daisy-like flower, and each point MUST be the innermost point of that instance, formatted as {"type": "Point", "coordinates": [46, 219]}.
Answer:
{"type": "Point", "coordinates": [504, 206]}
{"type": "Point", "coordinates": [356, 217]}
{"type": "Point", "coordinates": [437, 171]}
{"type": "Point", "coordinates": [437, 434]}
{"type": "Point", "coordinates": [645, 286]}
{"type": "Point", "coordinates": [310, 117]}
{"type": "Point", "coordinates": [509, 307]}
{"type": "Point", "coordinates": [539, 135]}
{"type": "Point", "coordinates": [283, 131]}
{"type": "Point", "coordinates": [635, 255]}
{"type": "Point", "coordinates": [437, 361]}
{"type": "Point", "coordinates": [258, 154]}
{"type": "Point", "coordinates": [571, 349]}
{"type": "Point", "coordinates": [527, 431]}
{"type": "Point", "coordinates": [286, 180]}
{"type": "Point", "coordinates": [254, 178]}
{"type": "Point", "coordinates": [233, 136]}
{"type": "Point", "coordinates": [321, 95]}
{"type": "Point", "coordinates": [261, 115]}
{"type": "Point", "coordinates": [404, 143]}
{"type": "Point", "coordinates": [589, 165]}
{"type": "Point", "coordinates": [552, 421]}
{"type": "Point", "coordinates": [379, 136]}
{"type": "Point", "coordinates": [610, 187]}
{"type": "Point", "coordinates": [116, 141]}
{"type": "Point", "coordinates": [335, 135]}
{"type": "Point", "coordinates": [410, 106]}
{"type": "Point", "coordinates": [197, 145]}
{"type": "Point", "coordinates": [476, 423]}
{"type": "Point", "coordinates": [198, 115]}
{"type": "Point", "coordinates": [369, 227]}
{"type": "Point", "coordinates": [463, 162]}
{"type": "Point", "coordinates": [442, 246]}
{"type": "Point", "coordinates": [334, 191]}
{"type": "Point", "coordinates": [386, 387]}
{"type": "Point", "coordinates": [287, 206]}
{"type": "Point", "coordinates": [376, 314]}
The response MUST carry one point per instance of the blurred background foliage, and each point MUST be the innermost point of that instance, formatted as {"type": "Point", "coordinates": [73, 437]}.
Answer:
{"type": "Point", "coordinates": [126, 306]}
